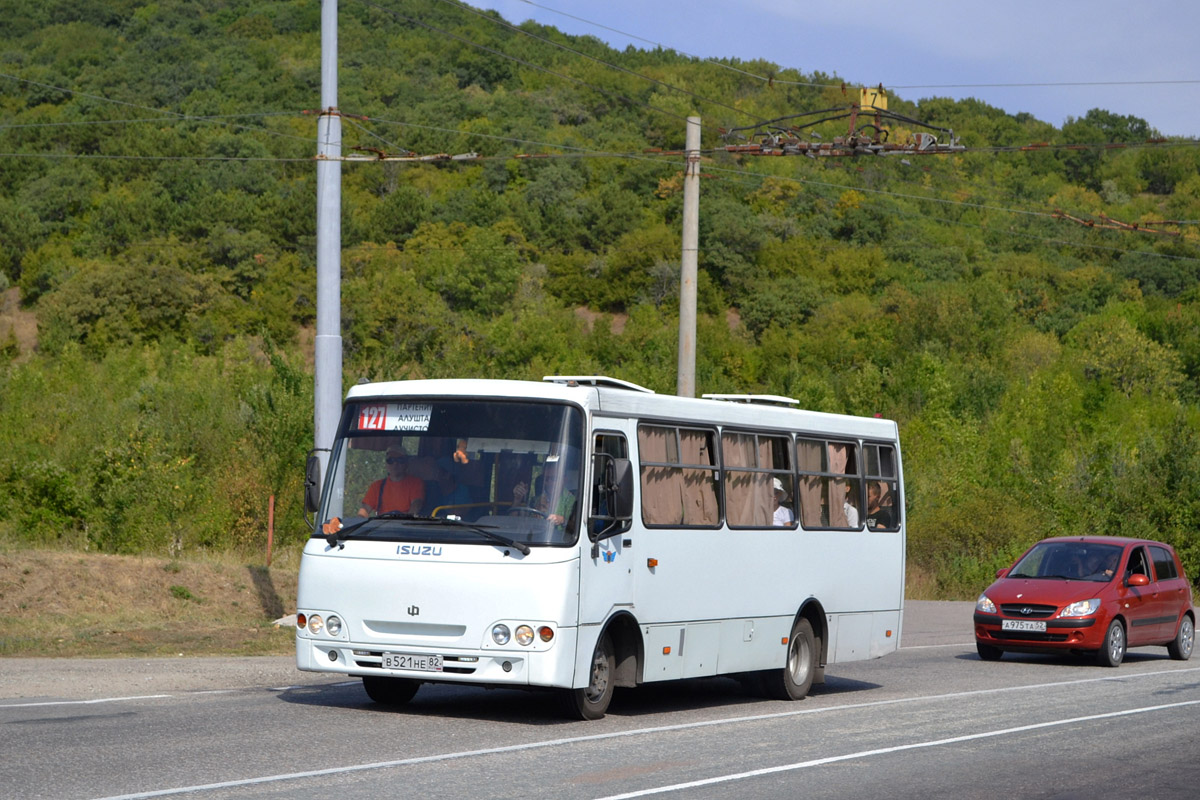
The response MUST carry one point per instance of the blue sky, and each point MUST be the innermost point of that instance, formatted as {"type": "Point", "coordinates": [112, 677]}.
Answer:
{"type": "Point", "coordinates": [924, 44]}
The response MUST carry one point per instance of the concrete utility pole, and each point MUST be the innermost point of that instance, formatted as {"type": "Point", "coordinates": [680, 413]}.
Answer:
{"type": "Point", "coordinates": [328, 354]}
{"type": "Point", "coordinates": [686, 386]}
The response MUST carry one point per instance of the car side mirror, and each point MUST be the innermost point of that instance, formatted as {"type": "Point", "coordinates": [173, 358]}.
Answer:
{"type": "Point", "coordinates": [312, 484]}
{"type": "Point", "coordinates": [1137, 580]}
{"type": "Point", "coordinates": [1002, 572]}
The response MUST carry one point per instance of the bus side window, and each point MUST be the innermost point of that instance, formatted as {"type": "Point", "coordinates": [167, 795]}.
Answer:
{"type": "Point", "coordinates": [678, 476]}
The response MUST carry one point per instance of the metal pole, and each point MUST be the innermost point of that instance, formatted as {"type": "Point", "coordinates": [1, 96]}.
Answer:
{"type": "Point", "coordinates": [686, 386]}
{"type": "Point", "coordinates": [328, 350]}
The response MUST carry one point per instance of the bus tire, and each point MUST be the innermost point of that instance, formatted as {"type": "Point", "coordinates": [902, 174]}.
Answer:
{"type": "Point", "coordinates": [796, 678]}
{"type": "Point", "coordinates": [591, 702]}
{"type": "Point", "coordinates": [390, 691]}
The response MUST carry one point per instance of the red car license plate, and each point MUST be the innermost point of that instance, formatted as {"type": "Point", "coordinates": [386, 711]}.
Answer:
{"type": "Point", "coordinates": [1022, 625]}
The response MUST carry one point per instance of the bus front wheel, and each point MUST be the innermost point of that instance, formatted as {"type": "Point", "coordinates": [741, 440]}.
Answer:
{"type": "Point", "coordinates": [794, 680]}
{"type": "Point", "coordinates": [390, 691]}
{"type": "Point", "coordinates": [591, 702]}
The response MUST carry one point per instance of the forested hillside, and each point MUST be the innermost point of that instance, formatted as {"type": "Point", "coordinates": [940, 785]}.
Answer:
{"type": "Point", "coordinates": [157, 220]}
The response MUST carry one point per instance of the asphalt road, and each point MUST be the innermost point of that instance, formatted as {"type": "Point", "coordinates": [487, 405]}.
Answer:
{"type": "Point", "coordinates": [929, 721]}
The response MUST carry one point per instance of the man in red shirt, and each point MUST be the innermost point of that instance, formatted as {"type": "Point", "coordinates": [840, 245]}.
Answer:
{"type": "Point", "coordinates": [397, 491]}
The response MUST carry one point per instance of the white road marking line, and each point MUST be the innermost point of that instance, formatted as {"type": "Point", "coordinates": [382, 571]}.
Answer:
{"type": "Point", "coordinates": [82, 702]}
{"type": "Point", "coordinates": [888, 750]}
{"type": "Point", "coordinates": [622, 734]}
{"type": "Point", "coordinates": [931, 646]}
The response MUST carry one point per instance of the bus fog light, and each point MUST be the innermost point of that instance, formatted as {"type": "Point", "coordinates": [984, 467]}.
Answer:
{"type": "Point", "coordinates": [333, 655]}
{"type": "Point", "coordinates": [545, 633]}
{"type": "Point", "coordinates": [524, 635]}
{"type": "Point", "coordinates": [333, 625]}
{"type": "Point", "coordinates": [500, 634]}
{"type": "Point", "coordinates": [315, 624]}
{"type": "Point", "coordinates": [506, 666]}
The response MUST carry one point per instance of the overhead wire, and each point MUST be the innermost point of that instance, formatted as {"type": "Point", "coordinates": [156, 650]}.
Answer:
{"type": "Point", "coordinates": [714, 61]}
{"type": "Point", "coordinates": [522, 62]}
{"type": "Point", "coordinates": [174, 114]}
{"type": "Point", "coordinates": [775, 79]}
{"type": "Point", "coordinates": [617, 67]}
{"type": "Point", "coordinates": [577, 152]}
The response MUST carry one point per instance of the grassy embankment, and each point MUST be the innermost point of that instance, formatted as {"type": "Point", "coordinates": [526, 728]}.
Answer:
{"type": "Point", "coordinates": [81, 605]}
{"type": "Point", "coordinates": [72, 604]}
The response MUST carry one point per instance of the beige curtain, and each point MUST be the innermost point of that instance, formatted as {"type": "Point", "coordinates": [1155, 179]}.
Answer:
{"type": "Point", "coordinates": [662, 487]}
{"type": "Point", "coordinates": [699, 487]}
{"type": "Point", "coordinates": [812, 500]}
{"type": "Point", "coordinates": [737, 454]}
{"type": "Point", "coordinates": [842, 489]}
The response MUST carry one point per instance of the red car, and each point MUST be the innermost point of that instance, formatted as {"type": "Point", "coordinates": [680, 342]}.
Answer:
{"type": "Point", "coordinates": [1088, 594]}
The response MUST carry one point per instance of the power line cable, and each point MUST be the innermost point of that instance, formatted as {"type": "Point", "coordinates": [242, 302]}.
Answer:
{"type": "Point", "coordinates": [617, 67]}
{"type": "Point", "coordinates": [773, 79]}
{"type": "Point", "coordinates": [522, 62]}
{"type": "Point", "coordinates": [173, 114]}
{"type": "Point", "coordinates": [765, 79]}
{"type": "Point", "coordinates": [745, 178]}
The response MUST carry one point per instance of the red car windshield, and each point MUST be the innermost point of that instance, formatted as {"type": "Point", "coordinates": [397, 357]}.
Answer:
{"type": "Point", "coordinates": [1087, 561]}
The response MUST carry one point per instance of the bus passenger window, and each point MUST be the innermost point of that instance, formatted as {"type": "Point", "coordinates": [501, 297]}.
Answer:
{"type": "Point", "coordinates": [679, 477]}
{"type": "Point", "coordinates": [754, 464]}
{"type": "Point", "coordinates": [830, 486]}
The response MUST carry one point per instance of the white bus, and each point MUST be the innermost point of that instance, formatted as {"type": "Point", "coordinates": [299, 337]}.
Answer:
{"type": "Point", "coordinates": [584, 533]}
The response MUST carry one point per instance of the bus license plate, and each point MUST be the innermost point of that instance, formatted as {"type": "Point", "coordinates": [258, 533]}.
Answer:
{"type": "Point", "coordinates": [1022, 625]}
{"type": "Point", "coordinates": [407, 661]}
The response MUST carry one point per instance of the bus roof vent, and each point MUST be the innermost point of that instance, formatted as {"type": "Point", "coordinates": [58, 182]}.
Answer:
{"type": "Point", "coordinates": [595, 380]}
{"type": "Point", "coordinates": [762, 399]}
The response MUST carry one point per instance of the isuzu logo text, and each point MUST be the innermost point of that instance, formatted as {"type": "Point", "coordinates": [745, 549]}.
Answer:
{"type": "Point", "coordinates": [418, 550]}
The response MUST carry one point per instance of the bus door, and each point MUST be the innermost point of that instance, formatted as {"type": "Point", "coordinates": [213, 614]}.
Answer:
{"type": "Point", "coordinates": [607, 558]}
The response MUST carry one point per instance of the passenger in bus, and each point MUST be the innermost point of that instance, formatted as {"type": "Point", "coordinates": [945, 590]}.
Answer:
{"type": "Point", "coordinates": [782, 514]}
{"type": "Point", "coordinates": [447, 491]}
{"type": "Point", "coordinates": [850, 507]}
{"type": "Point", "coordinates": [879, 512]}
{"type": "Point", "coordinates": [395, 491]}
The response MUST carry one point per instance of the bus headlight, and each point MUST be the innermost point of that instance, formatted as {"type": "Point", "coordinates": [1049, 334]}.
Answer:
{"type": "Point", "coordinates": [524, 635]}
{"type": "Point", "coordinates": [500, 634]}
{"type": "Point", "coordinates": [333, 625]}
{"type": "Point", "coordinates": [315, 624]}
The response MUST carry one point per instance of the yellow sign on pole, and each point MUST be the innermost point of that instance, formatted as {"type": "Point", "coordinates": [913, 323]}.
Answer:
{"type": "Point", "coordinates": [874, 98]}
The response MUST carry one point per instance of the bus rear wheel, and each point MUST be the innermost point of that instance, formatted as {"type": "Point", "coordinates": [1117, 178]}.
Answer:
{"type": "Point", "coordinates": [591, 702]}
{"type": "Point", "coordinates": [794, 680]}
{"type": "Point", "coordinates": [390, 691]}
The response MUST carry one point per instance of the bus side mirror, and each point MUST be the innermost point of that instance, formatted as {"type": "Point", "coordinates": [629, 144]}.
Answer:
{"type": "Point", "coordinates": [622, 484]}
{"type": "Point", "coordinates": [312, 484]}
{"type": "Point", "coordinates": [612, 500]}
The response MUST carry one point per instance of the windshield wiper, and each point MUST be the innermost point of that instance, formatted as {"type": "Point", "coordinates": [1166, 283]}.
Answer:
{"type": "Point", "coordinates": [336, 538]}
{"type": "Point", "coordinates": [483, 530]}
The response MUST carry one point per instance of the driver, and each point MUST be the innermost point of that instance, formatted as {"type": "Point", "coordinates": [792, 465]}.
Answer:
{"type": "Point", "coordinates": [555, 503]}
{"type": "Point", "coordinates": [1100, 565]}
{"type": "Point", "coordinates": [395, 491]}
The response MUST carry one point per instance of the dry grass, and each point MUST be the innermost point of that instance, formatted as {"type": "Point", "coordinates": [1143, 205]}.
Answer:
{"type": "Point", "coordinates": [920, 584]}
{"type": "Point", "coordinates": [83, 604]}
{"type": "Point", "coordinates": [21, 325]}
{"type": "Point", "coordinates": [91, 605]}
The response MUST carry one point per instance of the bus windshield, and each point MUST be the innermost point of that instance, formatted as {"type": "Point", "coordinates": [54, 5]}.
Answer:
{"type": "Point", "coordinates": [477, 471]}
